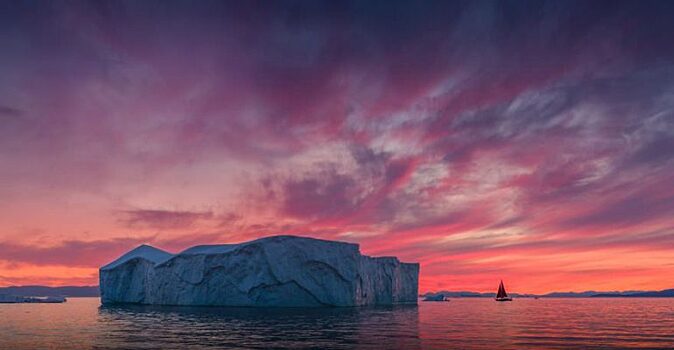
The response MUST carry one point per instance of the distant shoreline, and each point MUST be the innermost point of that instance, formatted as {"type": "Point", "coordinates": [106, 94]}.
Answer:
{"type": "Point", "coordinates": [93, 291]}
{"type": "Point", "coordinates": [666, 293]}
{"type": "Point", "coordinates": [45, 291]}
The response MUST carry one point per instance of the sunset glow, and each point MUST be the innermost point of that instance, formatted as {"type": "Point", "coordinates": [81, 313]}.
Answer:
{"type": "Point", "coordinates": [484, 144]}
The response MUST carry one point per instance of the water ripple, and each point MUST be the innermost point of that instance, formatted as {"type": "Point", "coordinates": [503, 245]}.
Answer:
{"type": "Point", "coordinates": [461, 324]}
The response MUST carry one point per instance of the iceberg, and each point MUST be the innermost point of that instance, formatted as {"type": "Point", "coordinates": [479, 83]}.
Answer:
{"type": "Point", "coordinates": [277, 271]}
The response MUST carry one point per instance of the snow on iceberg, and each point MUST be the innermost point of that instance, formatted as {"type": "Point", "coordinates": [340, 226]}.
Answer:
{"type": "Point", "coordinates": [272, 271]}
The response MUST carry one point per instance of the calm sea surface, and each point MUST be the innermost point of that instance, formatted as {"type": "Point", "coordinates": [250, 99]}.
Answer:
{"type": "Point", "coordinates": [82, 323]}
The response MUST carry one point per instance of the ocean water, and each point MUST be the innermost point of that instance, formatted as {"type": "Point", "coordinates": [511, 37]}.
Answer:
{"type": "Point", "coordinates": [82, 323]}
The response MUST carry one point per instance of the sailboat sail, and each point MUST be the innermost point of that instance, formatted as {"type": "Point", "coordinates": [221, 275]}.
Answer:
{"type": "Point", "coordinates": [501, 291]}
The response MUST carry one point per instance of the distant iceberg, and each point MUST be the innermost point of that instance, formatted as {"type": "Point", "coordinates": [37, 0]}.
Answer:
{"type": "Point", "coordinates": [274, 271]}
{"type": "Point", "coordinates": [16, 299]}
{"type": "Point", "coordinates": [439, 297]}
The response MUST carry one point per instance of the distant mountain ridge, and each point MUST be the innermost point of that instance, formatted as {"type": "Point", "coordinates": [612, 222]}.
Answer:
{"type": "Point", "coordinates": [44, 291]}
{"type": "Point", "coordinates": [666, 293]}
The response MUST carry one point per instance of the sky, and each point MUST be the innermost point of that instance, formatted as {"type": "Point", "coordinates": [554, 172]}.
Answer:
{"type": "Point", "coordinates": [528, 141]}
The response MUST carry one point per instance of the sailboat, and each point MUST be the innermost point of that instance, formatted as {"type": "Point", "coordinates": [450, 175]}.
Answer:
{"type": "Point", "coordinates": [501, 295]}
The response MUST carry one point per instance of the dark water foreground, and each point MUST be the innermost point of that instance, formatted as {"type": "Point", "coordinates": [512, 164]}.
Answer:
{"type": "Point", "coordinates": [82, 323]}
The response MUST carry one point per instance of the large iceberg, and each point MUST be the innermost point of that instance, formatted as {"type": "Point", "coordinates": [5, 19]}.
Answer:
{"type": "Point", "coordinates": [272, 271]}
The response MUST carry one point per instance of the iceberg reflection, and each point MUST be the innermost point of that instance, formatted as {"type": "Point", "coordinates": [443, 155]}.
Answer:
{"type": "Point", "coordinates": [161, 327]}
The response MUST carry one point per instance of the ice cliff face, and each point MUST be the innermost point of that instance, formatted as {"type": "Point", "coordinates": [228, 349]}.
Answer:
{"type": "Point", "coordinates": [272, 271]}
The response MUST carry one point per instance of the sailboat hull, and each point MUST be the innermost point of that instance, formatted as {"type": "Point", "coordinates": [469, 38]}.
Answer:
{"type": "Point", "coordinates": [504, 299]}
